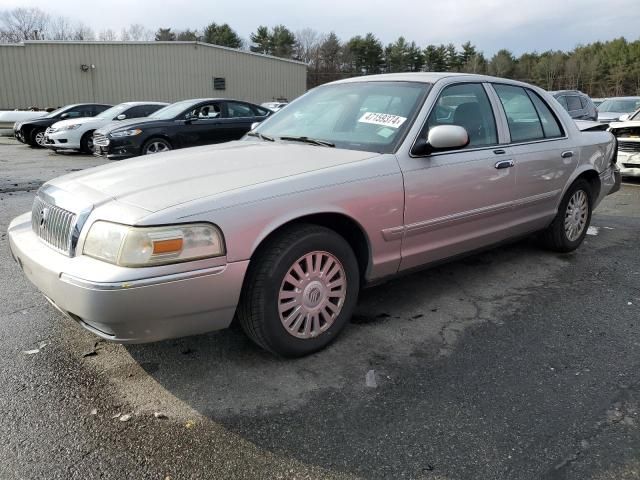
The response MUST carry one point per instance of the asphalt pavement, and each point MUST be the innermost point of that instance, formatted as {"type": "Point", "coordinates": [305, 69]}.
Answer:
{"type": "Point", "coordinates": [516, 363]}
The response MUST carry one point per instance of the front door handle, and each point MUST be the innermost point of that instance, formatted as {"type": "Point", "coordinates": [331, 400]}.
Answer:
{"type": "Point", "coordinates": [504, 164]}
{"type": "Point", "coordinates": [567, 154]}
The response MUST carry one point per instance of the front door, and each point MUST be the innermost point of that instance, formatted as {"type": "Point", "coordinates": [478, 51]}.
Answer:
{"type": "Point", "coordinates": [460, 200]}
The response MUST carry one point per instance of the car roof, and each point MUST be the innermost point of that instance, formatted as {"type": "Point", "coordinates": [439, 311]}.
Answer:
{"type": "Point", "coordinates": [133, 104]}
{"type": "Point", "coordinates": [574, 92]}
{"type": "Point", "coordinates": [631, 97]}
{"type": "Point", "coordinates": [430, 77]}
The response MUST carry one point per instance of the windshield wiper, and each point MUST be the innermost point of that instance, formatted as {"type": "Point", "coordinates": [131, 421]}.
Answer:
{"type": "Point", "coordinates": [312, 141]}
{"type": "Point", "coordinates": [261, 136]}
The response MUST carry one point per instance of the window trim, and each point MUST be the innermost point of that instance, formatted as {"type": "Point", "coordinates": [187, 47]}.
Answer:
{"type": "Point", "coordinates": [484, 85]}
{"type": "Point", "coordinates": [248, 105]}
{"type": "Point", "coordinates": [511, 143]}
{"type": "Point", "coordinates": [563, 133]}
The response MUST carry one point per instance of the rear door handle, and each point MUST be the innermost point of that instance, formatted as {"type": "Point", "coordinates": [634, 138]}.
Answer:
{"type": "Point", "coordinates": [500, 151]}
{"type": "Point", "coordinates": [504, 164]}
{"type": "Point", "coordinates": [567, 154]}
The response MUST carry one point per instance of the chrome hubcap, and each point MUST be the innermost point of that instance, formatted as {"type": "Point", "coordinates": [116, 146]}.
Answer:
{"type": "Point", "coordinates": [157, 147]}
{"type": "Point", "coordinates": [575, 218]}
{"type": "Point", "coordinates": [312, 295]}
{"type": "Point", "coordinates": [40, 138]}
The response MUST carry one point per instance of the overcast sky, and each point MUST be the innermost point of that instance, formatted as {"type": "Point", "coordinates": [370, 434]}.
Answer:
{"type": "Point", "coordinates": [519, 25]}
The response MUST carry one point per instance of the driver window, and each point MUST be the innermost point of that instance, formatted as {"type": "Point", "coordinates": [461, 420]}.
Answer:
{"type": "Point", "coordinates": [467, 106]}
{"type": "Point", "coordinates": [204, 112]}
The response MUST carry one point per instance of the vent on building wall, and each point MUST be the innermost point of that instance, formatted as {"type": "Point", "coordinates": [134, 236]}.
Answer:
{"type": "Point", "coordinates": [219, 83]}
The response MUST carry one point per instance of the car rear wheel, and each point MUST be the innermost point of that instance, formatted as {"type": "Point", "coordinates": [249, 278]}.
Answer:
{"type": "Point", "coordinates": [300, 291]}
{"type": "Point", "coordinates": [37, 138]}
{"type": "Point", "coordinates": [156, 145]}
{"type": "Point", "coordinates": [568, 229]}
{"type": "Point", "coordinates": [86, 143]}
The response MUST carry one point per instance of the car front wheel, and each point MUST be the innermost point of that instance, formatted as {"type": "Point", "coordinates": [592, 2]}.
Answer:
{"type": "Point", "coordinates": [300, 291]}
{"type": "Point", "coordinates": [156, 145]}
{"type": "Point", "coordinates": [37, 138]}
{"type": "Point", "coordinates": [568, 229]}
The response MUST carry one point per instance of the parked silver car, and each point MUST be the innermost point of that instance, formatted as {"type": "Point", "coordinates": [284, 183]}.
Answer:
{"type": "Point", "coordinates": [283, 228]}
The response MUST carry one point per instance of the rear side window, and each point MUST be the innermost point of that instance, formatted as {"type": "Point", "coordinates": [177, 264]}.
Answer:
{"type": "Point", "coordinates": [99, 109]}
{"type": "Point", "coordinates": [239, 110]}
{"type": "Point", "coordinates": [563, 102]}
{"type": "Point", "coordinates": [573, 103]}
{"type": "Point", "coordinates": [550, 125]}
{"type": "Point", "coordinates": [522, 117]}
{"type": "Point", "coordinates": [468, 106]}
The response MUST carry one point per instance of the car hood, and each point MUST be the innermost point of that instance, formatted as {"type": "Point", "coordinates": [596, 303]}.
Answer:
{"type": "Point", "coordinates": [610, 115]}
{"type": "Point", "coordinates": [116, 124]}
{"type": "Point", "coordinates": [77, 121]}
{"type": "Point", "coordinates": [160, 181]}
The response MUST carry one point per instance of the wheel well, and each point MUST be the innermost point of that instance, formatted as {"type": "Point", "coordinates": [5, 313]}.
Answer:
{"type": "Point", "coordinates": [154, 137]}
{"type": "Point", "coordinates": [343, 225]}
{"type": "Point", "coordinates": [593, 178]}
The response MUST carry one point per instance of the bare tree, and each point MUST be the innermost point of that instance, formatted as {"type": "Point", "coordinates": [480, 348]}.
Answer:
{"type": "Point", "coordinates": [60, 29]}
{"type": "Point", "coordinates": [307, 45]}
{"type": "Point", "coordinates": [139, 33]}
{"type": "Point", "coordinates": [22, 24]}
{"type": "Point", "coordinates": [83, 32]}
{"type": "Point", "coordinates": [107, 35]}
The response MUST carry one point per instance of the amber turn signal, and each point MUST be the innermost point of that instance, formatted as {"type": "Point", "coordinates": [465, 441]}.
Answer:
{"type": "Point", "coordinates": [167, 246]}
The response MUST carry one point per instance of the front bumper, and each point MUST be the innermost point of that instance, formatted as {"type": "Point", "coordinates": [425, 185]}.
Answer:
{"type": "Point", "coordinates": [139, 310]}
{"type": "Point", "coordinates": [629, 164]}
{"type": "Point", "coordinates": [118, 149]}
{"type": "Point", "coordinates": [61, 141]}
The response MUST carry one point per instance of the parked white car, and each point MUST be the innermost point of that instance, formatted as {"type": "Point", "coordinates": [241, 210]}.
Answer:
{"type": "Point", "coordinates": [274, 106]}
{"type": "Point", "coordinates": [77, 133]}
{"type": "Point", "coordinates": [628, 135]}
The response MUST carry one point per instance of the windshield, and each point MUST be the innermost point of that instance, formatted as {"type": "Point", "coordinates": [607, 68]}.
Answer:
{"type": "Point", "coordinates": [620, 105]}
{"type": "Point", "coordinates": [370, 116]}
{"type": "Point", "coordinates": [113, 112]}
{"type": "Point", "coordinates": [171, 111]}
{"type": "Point", "coordinates": [56, 112]}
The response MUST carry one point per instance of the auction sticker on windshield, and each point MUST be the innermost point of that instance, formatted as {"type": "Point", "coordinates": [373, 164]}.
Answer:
{"type": "Point", "coordinates": [384, 119]}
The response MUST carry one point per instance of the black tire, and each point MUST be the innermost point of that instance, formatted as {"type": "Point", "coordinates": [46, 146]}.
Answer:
{"type": "Point", "coordinates": [86, 143]}
{"type": "Point", "coordinates": [155, 142]}
{"type": "Point", "coordinates": [555, 237]}
{"type": "Point", "coordinates": [258, 309]}
{"type": "Point", "coordinates": [35, 135]}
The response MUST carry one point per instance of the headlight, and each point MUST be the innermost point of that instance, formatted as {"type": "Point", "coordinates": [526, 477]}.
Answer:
{"type": "Point", "coordinates": [126, 133]}
{"type": "Point", "coordinates": [70, 127]}
{"type": "Point", "coordinates": [145, 246]}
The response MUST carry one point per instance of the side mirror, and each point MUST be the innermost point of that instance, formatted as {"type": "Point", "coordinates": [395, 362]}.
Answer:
{"type": "Point", "coordinates": [122, 116]}
{"type": "Point", "coordinates": [64, 115]}
{"type": "Point", "coordinates": [442, 137]}
{"type": "Point", "coordinates": [254, 125]}
{"type": "Point", "coordinates": [624, 118]}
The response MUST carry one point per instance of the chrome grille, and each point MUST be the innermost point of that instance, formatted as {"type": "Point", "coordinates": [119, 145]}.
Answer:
{"type": "Point", "coordinates": [628, 146]}
{"type": "Point", "coordinates": [53, 225]}
{"type": "Point", "coordinates": [100, 140]}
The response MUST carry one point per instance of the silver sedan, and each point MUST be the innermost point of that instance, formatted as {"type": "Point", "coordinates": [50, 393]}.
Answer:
{"type": "Point", "coordinates": [351, 184]}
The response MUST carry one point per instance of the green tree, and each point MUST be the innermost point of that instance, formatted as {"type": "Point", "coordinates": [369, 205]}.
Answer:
{"type": "Point", "coordinates": [188, 36]}
{"type": "Point", "coordinates": [435, 58]}
{"type": "Point", "coordinates": [222, 35]}
{"type": "Point", "coordinates": [283, 41]}
{"type": "Point", "coordinates": [165, 35]}
{"type": "Point", "coordinates": [502, 64]}
{"type": "Point", "coordinates": [367, 54]}
{"type": "Point", "coordinates": [261, 41]}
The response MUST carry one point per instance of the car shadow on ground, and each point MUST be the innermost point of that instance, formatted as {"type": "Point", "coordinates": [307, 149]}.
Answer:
{"type": "Point", "coordinates": [407, 320]}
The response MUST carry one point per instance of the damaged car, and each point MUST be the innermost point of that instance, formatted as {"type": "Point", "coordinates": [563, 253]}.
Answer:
{"type": "Point", "coordinates": [351, 184]}
{"type": "Point", "coordinates": [628, 135]}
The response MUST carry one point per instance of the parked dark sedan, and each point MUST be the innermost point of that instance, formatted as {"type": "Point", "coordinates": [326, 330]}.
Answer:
{"type": "Point", "coordinates": [188, 123]}
{"type": "Point", "coordinates": [32, 131]}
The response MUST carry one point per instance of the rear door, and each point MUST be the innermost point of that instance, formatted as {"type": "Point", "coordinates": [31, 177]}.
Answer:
{"type": "Point", "coordinates": [543, 154]}
{"type": "Point", "coordinates": [456, 201]}
{"type": "Point", "coordinates": [239, 117]}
